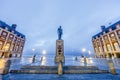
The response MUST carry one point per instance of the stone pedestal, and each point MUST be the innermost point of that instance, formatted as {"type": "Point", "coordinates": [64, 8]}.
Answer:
{"type": "Point", "coordinates": [59, 51]}
{"type": "Point", "coordinates": [60, 69]}
{"type": "Point", "coordinates": [4, 66]}
{"type": "Point", "coordinates": [111, 66]}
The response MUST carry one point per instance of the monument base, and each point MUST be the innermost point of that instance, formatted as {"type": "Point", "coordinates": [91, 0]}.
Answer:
{"type": "Point", "coordinates": [58, 59]}
{"type": "Point", "coordinates": [59, 51]}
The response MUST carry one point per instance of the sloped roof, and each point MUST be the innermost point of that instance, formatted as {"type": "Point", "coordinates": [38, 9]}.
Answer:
{"type": "Point", "coordinates": [113, 27]}
{"type": "Point", "coordinates": [4, 25]}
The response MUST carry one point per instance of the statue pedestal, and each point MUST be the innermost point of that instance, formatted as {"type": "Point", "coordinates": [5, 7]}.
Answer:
{"type": "Point", "coordinates": [59, 51]}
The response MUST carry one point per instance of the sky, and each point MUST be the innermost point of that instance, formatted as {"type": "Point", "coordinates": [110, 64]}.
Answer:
{"type": "Point", "coordinates": [39, 20]}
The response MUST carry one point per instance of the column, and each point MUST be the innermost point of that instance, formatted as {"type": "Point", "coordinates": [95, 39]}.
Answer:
{"type": "Point", "coordinates": [105, 49]}
{"type": "Point", "coordinates": [6, 54]}
{"type": "Point", "coordinates": [111, 44]}
{"type": "Point", "coordinates": [59, 51]}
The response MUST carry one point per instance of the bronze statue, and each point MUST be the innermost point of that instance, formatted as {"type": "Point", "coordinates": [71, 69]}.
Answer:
{"type": "Point", "coordinates": [60, 32]}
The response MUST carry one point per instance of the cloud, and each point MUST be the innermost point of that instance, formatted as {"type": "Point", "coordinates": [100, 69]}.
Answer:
{"type": "Point", "coordinates": [39, 20]}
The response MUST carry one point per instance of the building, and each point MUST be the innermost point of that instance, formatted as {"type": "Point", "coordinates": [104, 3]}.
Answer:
{"type": "Point", "coordinates": [107, 43]}
{"type": "Point", "coordinates": [11, 41]}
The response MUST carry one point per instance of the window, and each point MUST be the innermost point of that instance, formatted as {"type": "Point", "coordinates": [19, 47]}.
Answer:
{"type": "Point", "coordinates": [4, 33]}
{"type": "Point", "coordinates": [105, 37]}
{"type": "Point", "coordinates": [7, 46]}
{"type": "Point", "coordinates": [109, 47]}
{"type": "Point", "coordinates": [15, 39]}
{"type": "Point", "coordinates": [11, 47]}
{"type": "Point", "coordinates": [12, 31]}
{"type": "Point", "coordinates": [112, 35]}
{"type": "Point", "coordinates": [18, 40]}
{"type": "Point", "coordinates": [20, 49]}
{"type": "Point", "coordinates": [16, 49]}
{"type": "Point", "coordinates": [100, 49]}
{"type": "Point", "coordinates": [118, 26]}
{"type": "Point", "coordinates": [11, 36]}
{"type": "Point", "coordinates": [116, 46]}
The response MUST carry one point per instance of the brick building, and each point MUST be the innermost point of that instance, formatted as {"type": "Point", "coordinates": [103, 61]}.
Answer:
{"type": "Point", "coordinates": [107, 42]}
{"type": "Point", "coordinates": [11, 41]}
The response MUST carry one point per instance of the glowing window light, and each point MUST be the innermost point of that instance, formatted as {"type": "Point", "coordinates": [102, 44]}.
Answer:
{"type": "Point", "coordinates": [7, 47]}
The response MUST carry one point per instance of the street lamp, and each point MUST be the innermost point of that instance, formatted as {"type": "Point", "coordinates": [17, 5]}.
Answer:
{"type": "Point", "coordinates": [83, 49]}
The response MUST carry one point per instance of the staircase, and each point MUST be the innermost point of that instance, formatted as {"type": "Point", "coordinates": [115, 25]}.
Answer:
{"type": "Point", "coordinates": [54, 70]}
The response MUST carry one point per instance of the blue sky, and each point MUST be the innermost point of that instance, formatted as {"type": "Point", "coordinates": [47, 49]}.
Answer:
{"type": "Point", "coordinates": [39, 20]}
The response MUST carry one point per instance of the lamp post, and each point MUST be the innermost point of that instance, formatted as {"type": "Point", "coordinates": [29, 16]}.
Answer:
{"type": "Point", "coordinates": [83, 51]}
{"type": "Point", "coordinates": [83, 57]}
{"type": "Point", "coordinates": [33, 58]}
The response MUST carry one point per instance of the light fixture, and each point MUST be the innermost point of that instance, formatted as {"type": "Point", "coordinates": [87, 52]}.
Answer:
{"type": "Point", "coordinates": [44, 51]}
{"type": "Point", "coordinates": [33, 49]}
{"type": "Point", "coordinates": [83, 49]}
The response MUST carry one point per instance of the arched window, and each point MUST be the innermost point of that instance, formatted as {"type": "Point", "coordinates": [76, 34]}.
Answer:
{"type": "Point", "coordinates": [7, 46]}
{"type": "Point", "coordinates": [116, 46]}
{"type": "Point", "coordinates": [16, 49]}
{"type": "Point", "coordinates": [100, 49]}
{"type": "Point", "coordinates": [109, 47]}
{"type": "Point", "coordinates": [21, 48]}
{"type": "Point", "coordinates": [112, 35]}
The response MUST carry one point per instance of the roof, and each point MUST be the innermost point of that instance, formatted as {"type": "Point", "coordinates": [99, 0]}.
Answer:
{"type": "Point", "coordinates": [10, 28]}
{"type": "Point", "coordinates": [113, 27]}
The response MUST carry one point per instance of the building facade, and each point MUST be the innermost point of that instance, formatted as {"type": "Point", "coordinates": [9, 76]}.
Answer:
{"type": "Point", "coordinates": [106, 44]}
{"type": "Point", "coordinates": [11, 41]}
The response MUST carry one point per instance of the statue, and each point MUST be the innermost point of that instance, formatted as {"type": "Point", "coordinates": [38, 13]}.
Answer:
{"type": "Point", "coordinates": [59, 49]}
{"type": "Point", "coordinates": [60, 32]}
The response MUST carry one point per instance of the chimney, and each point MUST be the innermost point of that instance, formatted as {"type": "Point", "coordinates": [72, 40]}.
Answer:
{"type": "Point", "coordinates": [14, 26]}
{"type": "Point", "coordinates": [103, 28]}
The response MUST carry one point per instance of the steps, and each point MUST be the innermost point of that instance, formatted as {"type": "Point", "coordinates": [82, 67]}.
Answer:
{"type": "Point", "coordinates": [85, 71]}
{"type": "Point", "coordinates": [53, 70]}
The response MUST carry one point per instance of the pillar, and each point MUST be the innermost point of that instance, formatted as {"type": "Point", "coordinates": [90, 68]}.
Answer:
{"type": "Point", "coordinates": [111, 66]}
{"type": "Point", "coordinates": [4, 66]}
{"type": "Point", "coordinates": [59, 51]}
